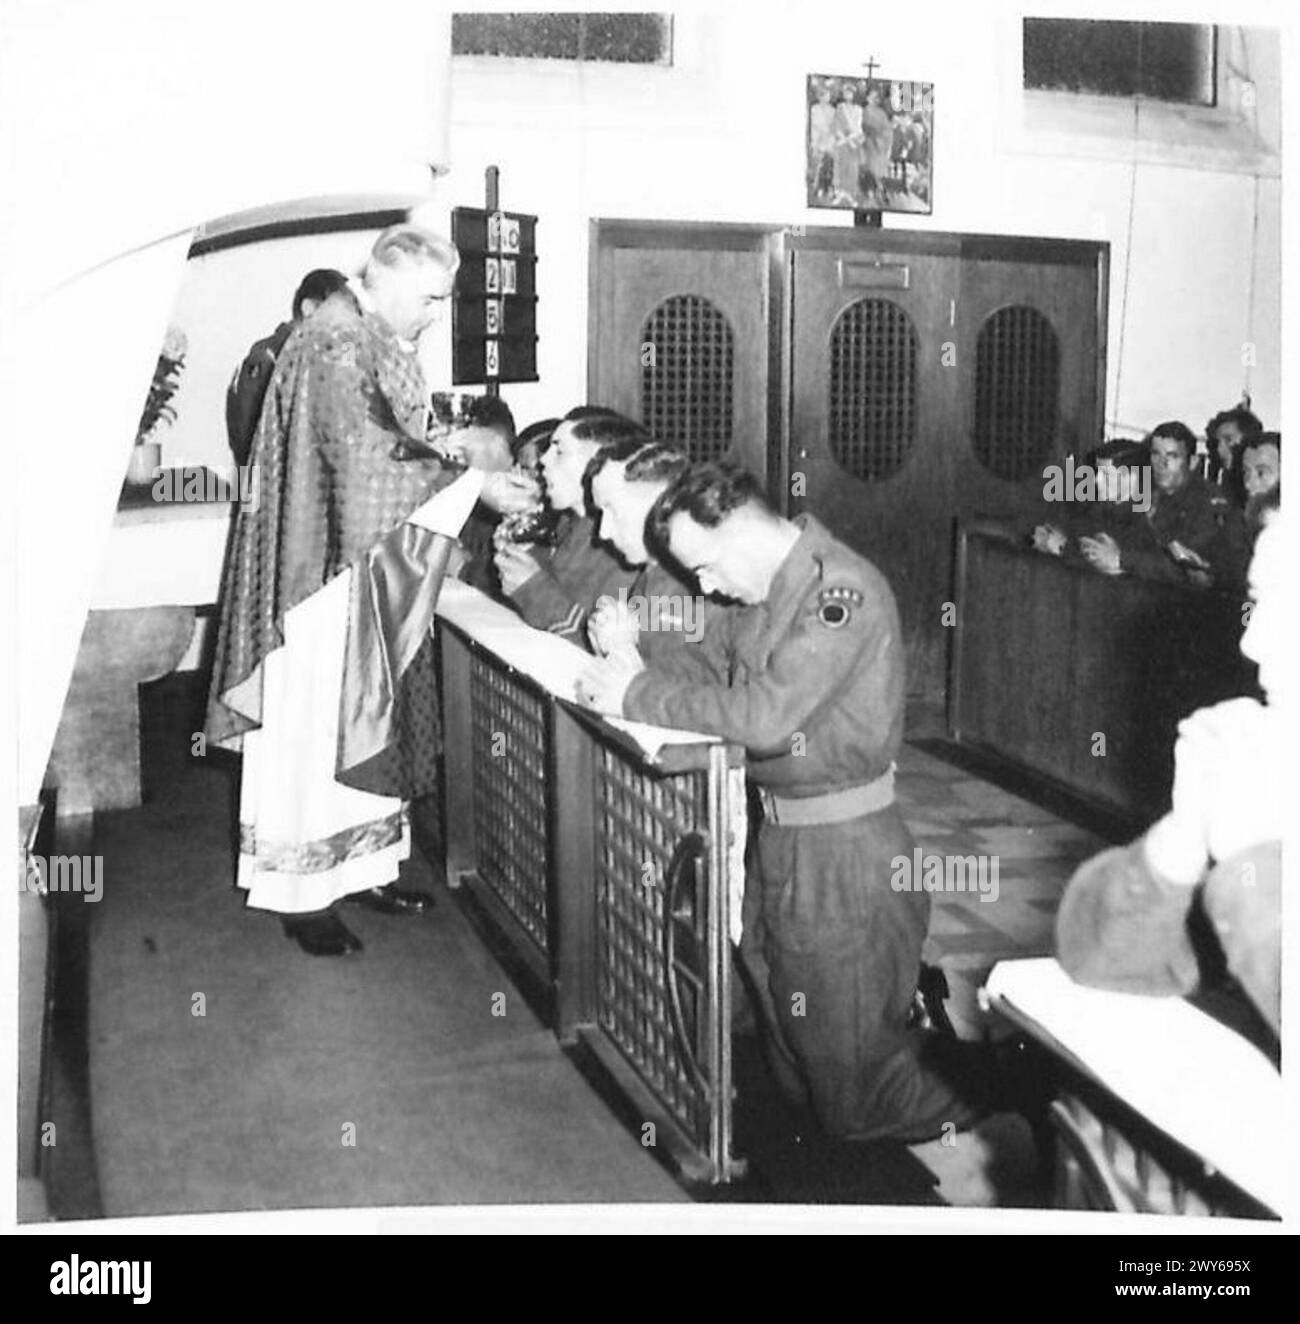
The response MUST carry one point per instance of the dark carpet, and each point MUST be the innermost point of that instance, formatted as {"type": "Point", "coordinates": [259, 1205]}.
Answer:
{"type": "Point", "coordinates": [229, 1070]}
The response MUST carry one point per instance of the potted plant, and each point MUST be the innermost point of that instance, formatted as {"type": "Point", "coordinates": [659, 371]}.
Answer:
{"type": "Point", "coordinates": [146, 455]}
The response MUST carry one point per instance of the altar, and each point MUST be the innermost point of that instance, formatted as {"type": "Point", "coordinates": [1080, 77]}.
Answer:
{"type": "Point", "coordinates": [149, 616]}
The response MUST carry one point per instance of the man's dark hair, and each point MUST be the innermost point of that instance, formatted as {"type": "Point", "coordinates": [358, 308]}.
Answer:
{"type": "Point", "coordinates": [708, 493]}
{"type": "Point", "coordinates": [1180, 432]}
{"type": "Point", "coordinates": [491, 411]}
{"type": "Point", "coordinates": [581, 412]}
{"type": "Point", "coordinates": [609, 430]}
{"type": "Point", "coordinates": [539, 433]}
{"type": "Point", "coordinates": [646, 461]}
{"type": "Point", "coordinates": [1122, 452]}
{"type": "Point", "coordinates": [1247, 423]}
{"type": "Point", "coordinates": [1263, 439]}
{"type": "Point", "coordinates": [318, 285]}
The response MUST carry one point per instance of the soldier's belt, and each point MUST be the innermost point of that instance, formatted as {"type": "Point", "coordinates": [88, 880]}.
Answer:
{"type": "Point", "coordinates": [833, 807]}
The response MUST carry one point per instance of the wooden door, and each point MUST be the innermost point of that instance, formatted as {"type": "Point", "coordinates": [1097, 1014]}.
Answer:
{"type": "Point", "coordinates": [872, 408]}
{"type": "Point", "coordinates": [1030, 356]}
{"type": "Point", "coordinates": [679, 333]}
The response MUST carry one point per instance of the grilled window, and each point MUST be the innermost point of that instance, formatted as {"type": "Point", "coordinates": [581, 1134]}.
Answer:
{"type": "Point", "coordinates": [611, 38]}
{"type": "Point", "coordinates": [1163, 61]}
{"type": "Point", "coordinates": [873, 389]}
{"type": "Point", "coordinates": [1017, 388]}
{"type": "Point", "coordinates": [688, 354]}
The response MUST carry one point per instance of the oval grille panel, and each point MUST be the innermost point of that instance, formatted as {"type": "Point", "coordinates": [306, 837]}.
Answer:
{"type": "Point", "coordinates": [687, 376]}
{"type": "Point", "coordinates": [1017, 390]}
{"type": "Point", "coordinates": [872, 416]}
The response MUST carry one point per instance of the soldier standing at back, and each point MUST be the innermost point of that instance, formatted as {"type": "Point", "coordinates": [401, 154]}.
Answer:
{"type": "Point", "coordinates": [808, 676]}
{"type": "Point", "coordinates": [247, 388]}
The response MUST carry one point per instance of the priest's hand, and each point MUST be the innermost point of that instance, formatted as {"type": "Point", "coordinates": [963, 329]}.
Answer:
{"type": "Point", "coordinates": [604, 685]}
{"type": "Point", "coordinates": [509, 492]}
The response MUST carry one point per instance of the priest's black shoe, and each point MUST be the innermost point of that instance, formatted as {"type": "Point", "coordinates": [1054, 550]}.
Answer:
{"type": "Point", "coordinates": [393, 900]}
{"type": "Point", "coordinates": [321, 933]}
{"type": "Point", "coordinates": [928, 1011]}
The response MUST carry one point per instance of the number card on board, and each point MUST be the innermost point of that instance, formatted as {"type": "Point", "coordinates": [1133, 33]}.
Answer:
{"type": "Point", "coordinates": [494, 307]}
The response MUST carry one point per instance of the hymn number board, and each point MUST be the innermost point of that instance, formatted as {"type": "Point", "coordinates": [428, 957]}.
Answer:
{"type": "Point", "coordinates": [494, 313]}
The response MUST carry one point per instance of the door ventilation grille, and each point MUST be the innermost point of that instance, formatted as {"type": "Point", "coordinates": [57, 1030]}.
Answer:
{"type": "Point", "coordinates": [1017, 390]}
{"type": "Point", "coordinates": [688, 354]}
{"type": "Point", "coordinates": [872, 389]}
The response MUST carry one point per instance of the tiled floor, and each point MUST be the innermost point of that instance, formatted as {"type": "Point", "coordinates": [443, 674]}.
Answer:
{"type": "Point", "coordinates": [954, 813]}
{"type": "Point", "coordinates": [951, 814]}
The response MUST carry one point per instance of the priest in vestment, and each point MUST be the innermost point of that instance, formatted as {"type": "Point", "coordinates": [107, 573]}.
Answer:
{"type": "Point", "coordinates": [323, 672]}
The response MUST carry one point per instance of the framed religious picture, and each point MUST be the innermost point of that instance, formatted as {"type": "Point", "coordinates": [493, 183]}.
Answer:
{"type": "Point", "coordinates": [870, 144]}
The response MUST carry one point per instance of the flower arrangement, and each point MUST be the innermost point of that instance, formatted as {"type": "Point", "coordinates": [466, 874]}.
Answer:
{"type": "Point", "coordinates": [166, 380]}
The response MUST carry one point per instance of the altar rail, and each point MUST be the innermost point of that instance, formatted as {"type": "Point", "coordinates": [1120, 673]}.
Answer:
{"type": "Point", "coordinates": [612, 877]}
{"type": "Point", "coordinates": [1081, 678]}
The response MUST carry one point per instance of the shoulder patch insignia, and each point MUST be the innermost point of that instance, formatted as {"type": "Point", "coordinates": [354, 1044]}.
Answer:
{"type": "Point", "coordinates": [835, 605]}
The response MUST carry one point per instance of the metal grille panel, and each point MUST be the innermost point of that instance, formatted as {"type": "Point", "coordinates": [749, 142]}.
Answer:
{"type": "Point", "coordinates": [873, 389]}
{"type": "Point", "coordinates": [641, 821]}
{"type": "Point", "coordinates": [1017, 389]}
{"type": "Point", "coordinates": [687, 376]}
{"type": "Point", "coordinates": [509, 723]}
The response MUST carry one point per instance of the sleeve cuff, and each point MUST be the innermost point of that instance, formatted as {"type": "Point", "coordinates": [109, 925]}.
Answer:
{"type": "Point", "coordinates": [446, 511]}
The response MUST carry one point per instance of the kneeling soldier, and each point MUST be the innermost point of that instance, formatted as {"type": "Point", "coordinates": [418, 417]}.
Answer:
{"type": "Point", "coordinates": [808, 675]}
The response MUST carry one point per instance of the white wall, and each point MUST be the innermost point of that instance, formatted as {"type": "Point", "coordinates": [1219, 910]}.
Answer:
{"type": "Point", "coordinates": [720, 136]}
{"type": "Point", "coordinates": [234, 296]}
{"type": "Point", "coordinates": [123, 125]}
